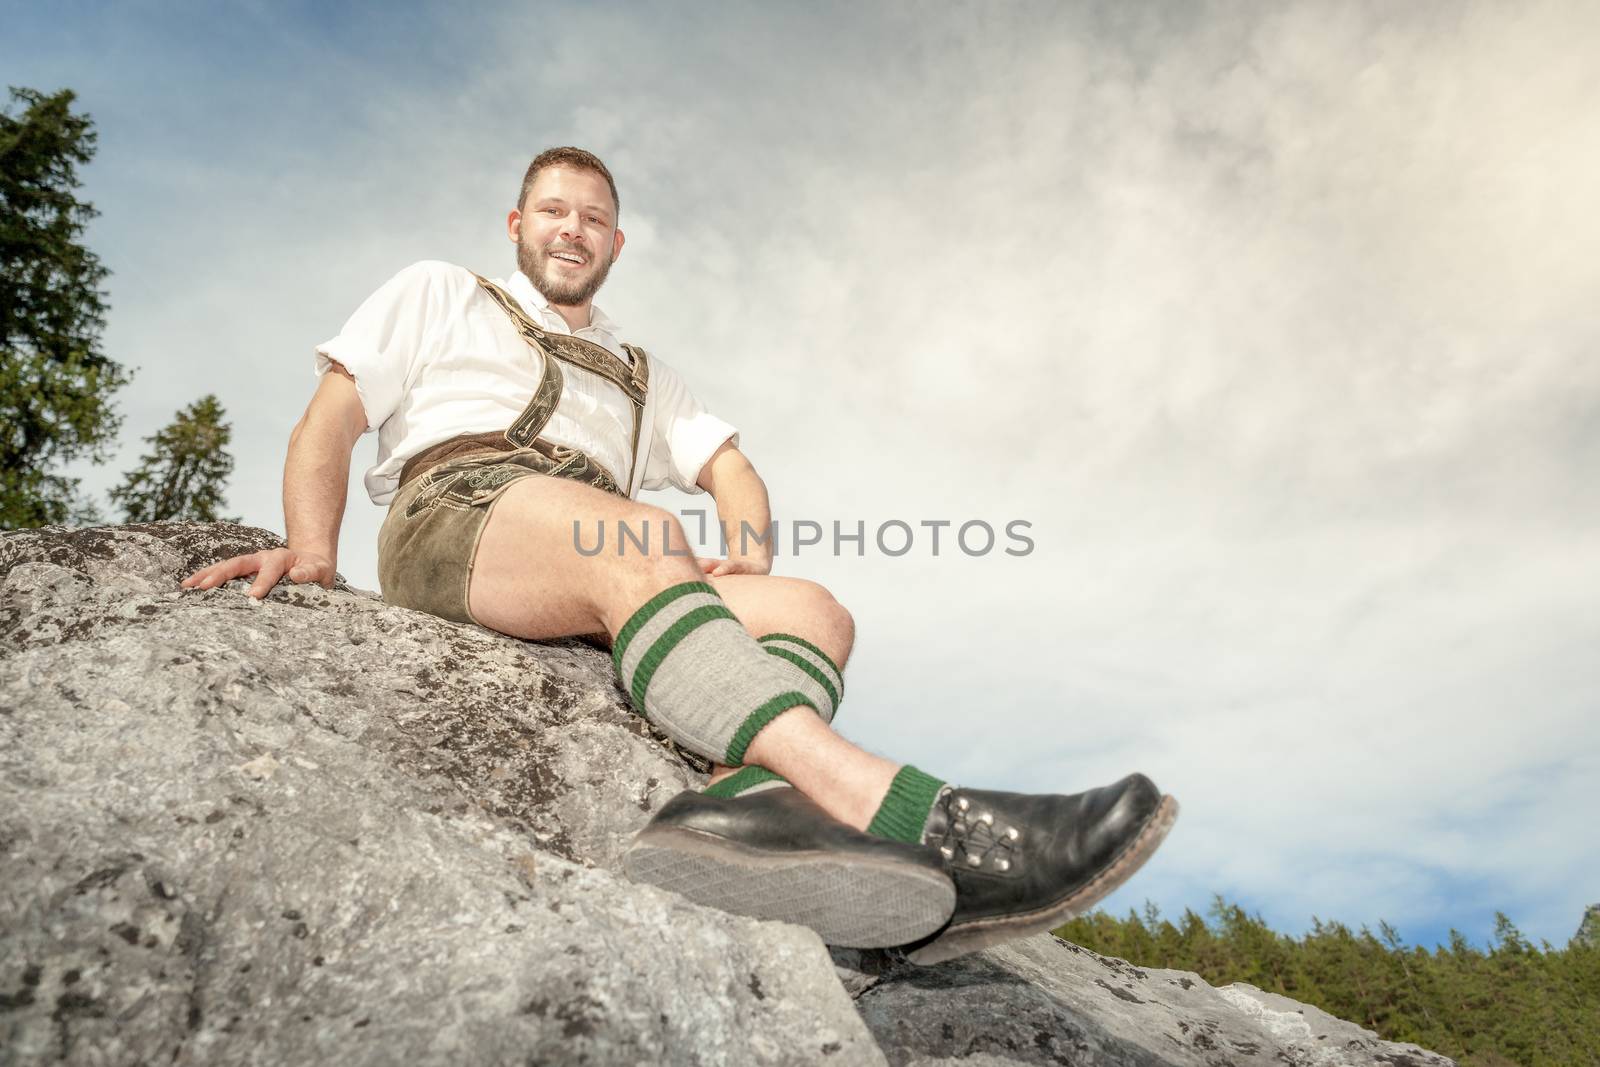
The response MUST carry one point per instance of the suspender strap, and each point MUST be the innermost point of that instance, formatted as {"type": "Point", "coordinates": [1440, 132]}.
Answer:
{"type": "Point", "coordinates": [545, 398]}
{"type": "Point", "coordinates": [596, 359]}
{"type": "Point", "coordinates": [634, 381]}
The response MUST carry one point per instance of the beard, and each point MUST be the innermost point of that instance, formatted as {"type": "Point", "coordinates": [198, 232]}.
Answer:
{"type": "Point", "coordinates": [552, 281]}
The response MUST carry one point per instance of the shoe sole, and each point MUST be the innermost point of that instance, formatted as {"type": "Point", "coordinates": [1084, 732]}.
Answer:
{"type": "Point", "coordinates": [958, 940]}
{"type": "Point", "coordinates": [854, 902]}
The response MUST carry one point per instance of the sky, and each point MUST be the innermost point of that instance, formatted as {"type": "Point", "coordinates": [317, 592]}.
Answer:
{"type": "Point", "coordinates": [1273, 322]}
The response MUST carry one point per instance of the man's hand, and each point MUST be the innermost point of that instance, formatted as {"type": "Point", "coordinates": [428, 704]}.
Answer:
{"type": "Point", "coordinates": [741, 498]}
{"type": "Point", "coordinates": [315, 477]}
{"type": "Point", "coordinates": [268, 567]}
{"type": "Point", "coordinates": [716, 568]}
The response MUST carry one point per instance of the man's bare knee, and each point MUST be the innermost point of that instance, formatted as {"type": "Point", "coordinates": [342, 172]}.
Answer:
{"type": "Point", "coordinates": [768, 604]}
{"type": "Point", "coordinates": [846, 629]}
{"type": "Point", "coordinates": [644, 533]}
{"type": "Point", "coordinates": [649, 545]}
{"type": "Point", "coordinates": [837, 619]}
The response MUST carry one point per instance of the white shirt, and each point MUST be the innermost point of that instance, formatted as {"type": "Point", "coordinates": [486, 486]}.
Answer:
{"type": "Point", "coordinates": [433, 356]}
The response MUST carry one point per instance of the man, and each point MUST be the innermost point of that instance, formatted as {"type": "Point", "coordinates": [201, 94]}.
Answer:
{"type": "Point", "coordinates": [509, 416]}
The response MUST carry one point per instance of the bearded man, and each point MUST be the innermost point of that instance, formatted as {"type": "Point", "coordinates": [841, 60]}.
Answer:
{"type": "Point", "coordinates": [507, 411]}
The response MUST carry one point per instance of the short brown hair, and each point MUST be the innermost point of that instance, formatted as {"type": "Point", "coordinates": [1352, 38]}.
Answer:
{"type": "Point", "coordinates": [567, 156]}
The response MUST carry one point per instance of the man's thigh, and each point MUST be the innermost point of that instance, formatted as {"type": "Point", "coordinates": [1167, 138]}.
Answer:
{"type": "Point", "coordinates": [529, 578]}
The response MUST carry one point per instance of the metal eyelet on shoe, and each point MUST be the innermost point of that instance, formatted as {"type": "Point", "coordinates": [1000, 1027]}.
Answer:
{"type": "Point", "coordinates": [947, 852]}
{"type": "Point", "coordinates": [1013, 834]}
{"type": "Point", "coordinates": [961, 803]}
{"type": "Point", "coordinates": [974, 861]}
{"type": "Point", "coordinates": [986, 818]}
{"type": "Point", "coordinates": [1002, 865]}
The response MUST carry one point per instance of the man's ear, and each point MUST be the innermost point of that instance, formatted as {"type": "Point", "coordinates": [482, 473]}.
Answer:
{"type": "Point", "coordinates": [514, 226]}
{"type": "Point", "coordinates": [616, 246]}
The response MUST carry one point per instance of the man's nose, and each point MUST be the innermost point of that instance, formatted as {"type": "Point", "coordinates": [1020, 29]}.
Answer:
{"type": "Point", "coordinates": [570, 228]}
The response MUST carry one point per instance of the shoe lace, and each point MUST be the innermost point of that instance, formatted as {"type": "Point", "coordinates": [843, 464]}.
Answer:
{"type": "Point", "coordinates": [971, 837]}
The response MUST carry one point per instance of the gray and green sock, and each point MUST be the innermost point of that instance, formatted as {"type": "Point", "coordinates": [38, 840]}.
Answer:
{"type": "Point", "coordinates": [692, 670]}
{"type": "Point", "coordinates": [811, 671]}
{"type": "Point", "coordinates": [902, 814]}
{"type": "Point", "coordinates": [747, 780]}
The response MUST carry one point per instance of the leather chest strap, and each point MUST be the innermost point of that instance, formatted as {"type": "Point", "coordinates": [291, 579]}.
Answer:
{"type": "Point", "coordinates": [634, 381]}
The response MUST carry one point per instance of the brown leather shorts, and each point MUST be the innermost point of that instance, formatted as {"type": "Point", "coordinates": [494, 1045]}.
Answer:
{"type": "Point", "coordinates": [430, 536]}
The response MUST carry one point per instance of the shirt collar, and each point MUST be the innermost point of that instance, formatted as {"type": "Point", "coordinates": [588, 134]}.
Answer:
{"type": "Point", "coordinates": [534, 303]}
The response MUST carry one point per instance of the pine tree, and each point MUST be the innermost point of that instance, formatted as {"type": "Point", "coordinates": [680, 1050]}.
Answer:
{"type": "Point", "coordinates": [55, 383]}
{"type": "Point", "coordinates": [1512, 1006]}
{"type": "Point", "coordinates": [185, 474]}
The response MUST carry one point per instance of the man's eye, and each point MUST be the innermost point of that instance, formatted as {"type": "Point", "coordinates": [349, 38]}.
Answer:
{"type": "Point", "coordinates": [551, 211]}
{"type": "Point", "coordinates": [594, 220]}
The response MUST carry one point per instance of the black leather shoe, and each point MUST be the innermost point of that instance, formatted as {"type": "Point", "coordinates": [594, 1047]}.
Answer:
{"type": "Point", "coordinates": [773, 854]}
{"type": "Point", "coordinates": [1023, 864]}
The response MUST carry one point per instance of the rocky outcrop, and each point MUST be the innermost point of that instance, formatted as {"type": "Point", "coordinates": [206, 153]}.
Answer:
{"type": "Point", "coordinates": [320, 828]}
{"type": "Point", "coordinates": [1589, 928]}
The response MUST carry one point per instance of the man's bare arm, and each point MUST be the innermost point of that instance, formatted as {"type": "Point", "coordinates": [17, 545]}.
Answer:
{"type": "Point", "coordinates": [742, 503]}
{"type": "Point", "coordinates": [316, 476]}
{"type": "Point", "coordinates": [316, 472]}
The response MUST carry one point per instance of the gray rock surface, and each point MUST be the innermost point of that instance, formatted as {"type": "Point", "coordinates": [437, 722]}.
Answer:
{"type": "Point", "coordinates": [1043, 1000]}
{"type": "Point", "coordinates": [1589, 928]}
{"type": "Point", "coordinates": [322, 829]}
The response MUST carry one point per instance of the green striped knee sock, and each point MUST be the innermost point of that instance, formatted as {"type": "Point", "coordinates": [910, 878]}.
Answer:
{"type": "Point", "coordinates": [746, 780]}
{"type": "Point", "coordinates": [904, 811]}
{"type": "Point", "coordinates": [901, 816]}
{"type": "Point", "coordinates": [810, 670]}
{"type": "Point", "coordinates": [692, 670]}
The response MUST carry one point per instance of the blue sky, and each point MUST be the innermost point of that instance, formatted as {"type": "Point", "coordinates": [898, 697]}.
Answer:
{"type": "Point", "coordinates": [1275, 321]}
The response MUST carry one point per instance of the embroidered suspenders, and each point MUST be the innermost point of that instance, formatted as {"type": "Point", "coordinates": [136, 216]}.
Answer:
{"type": "Point", "coordinates": [564, 348]}
{"type": "Point", "coordinates": [523, 434]}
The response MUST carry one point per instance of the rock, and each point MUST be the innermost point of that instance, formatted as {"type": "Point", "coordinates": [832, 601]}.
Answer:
{"type": "Point", "coordinates": [1046, 1001]}
{"type": "Point", "coordinates": [1589, 928]}
{"type": "Point", "coordinates": [319, 828]}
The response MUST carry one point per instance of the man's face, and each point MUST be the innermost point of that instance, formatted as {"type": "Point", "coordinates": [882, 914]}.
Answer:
{"type": "Point", "coordinates": [566, 234]}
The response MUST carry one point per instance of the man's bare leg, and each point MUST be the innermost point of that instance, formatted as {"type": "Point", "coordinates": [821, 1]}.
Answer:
{"type": "Point", "coordinates": [1015, 864]}
{"type": "Point", "coordinates": [766, 604]}
{"type": "Point", "coordinates": [529, 580]}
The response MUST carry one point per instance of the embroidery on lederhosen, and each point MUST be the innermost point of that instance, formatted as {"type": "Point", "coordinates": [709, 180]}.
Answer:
{"type": "Point", "coordinates": [468, 482]}
{"type": "Point", "coordinates": [641, 375]}
{"type": "Point", "coordinates": [575, 464]}
{"type": "Point", "coordinates": [634, 381]}
{"type": "Point", "coordinates": [462, 483]}
{"type": "Point", "coordinates": [471, 482]}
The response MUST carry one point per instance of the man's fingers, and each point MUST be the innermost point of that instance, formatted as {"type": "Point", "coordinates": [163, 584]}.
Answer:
{"type": "Point", "coordinates": [268, 567]}
{"type": "Point", "coordinates": [239, 567]}
{"type": "Point", "coordinates": [214, 575]}
{"type": "Point", "coordinates": [271, 571]}
{"type": "Point", "coordinates": [199, 576]}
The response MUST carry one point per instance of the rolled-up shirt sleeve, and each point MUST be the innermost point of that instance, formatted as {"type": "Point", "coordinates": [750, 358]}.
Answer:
{"type": "Point", "coordinates": [380, 344]}
{"type": "Point", "coordinates": [683, 434]}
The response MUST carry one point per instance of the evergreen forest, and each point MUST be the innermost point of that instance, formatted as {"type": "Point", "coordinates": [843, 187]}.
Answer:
{"type": "Point", "coordinates": [1510, 1002]}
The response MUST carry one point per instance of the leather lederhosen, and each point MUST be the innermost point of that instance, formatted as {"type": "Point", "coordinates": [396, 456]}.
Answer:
{"type": "Point", "coordinates": [429, 539]}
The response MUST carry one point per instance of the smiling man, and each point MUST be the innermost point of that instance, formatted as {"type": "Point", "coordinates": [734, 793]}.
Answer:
{"type": "Point", "coordinates": [510, 413]}
{"type": "Point", "coordinates": [555, 258]}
